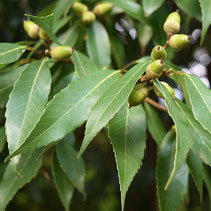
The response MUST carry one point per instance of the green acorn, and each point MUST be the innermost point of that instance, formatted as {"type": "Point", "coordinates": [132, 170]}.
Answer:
{"type": "Point", "coordinates": [60, 53]}
{"type": "Point", "coordinates": [179, 41]}
{"type": "Point", "coordinates": [43, 35]}
{"type": "Point", "coordinates": [159, 94]}
{"type": "Point", "coordinates": [172, 23]}
{"type": "Point", "coordinates": [88, 18]}
{"type": "Point", "coordinates": [158, 52]}
{"type": "Point", "coordinates": [102, 8]}
{"type": "Point", "coordinates": [32, 29]}
{"type": "Point", "coordinates": [79, 8]}
{"type": "Point", "coordinates": [155, 69]}
{"type": "Point", "coordinates": [139, 93]}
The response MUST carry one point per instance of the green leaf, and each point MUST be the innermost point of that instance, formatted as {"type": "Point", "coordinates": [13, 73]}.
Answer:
{"type": "Point", "coordinates": [71, 165]}
{"type": "Point", "coordinates": [83, 65]}
{"type": "Point", "coordinates": [192, 8]}
{"type": "Point", "coordinates": [110, 103]}
{"type": "Point", "coordinates": [206, 17]}
{"type": "Point", "coordinates": [7, 80]}
{"type": "Point", "coordinates": [127, 132]}
{"type": "Point", "coordinates": [3, 138]}
{"type": "Point", "coordinates": [62, 113]}
{"type": "Point", "coordinates": [145, 33]}
{"type": "Point", "coordinates": [10, 52]}
{"type": "Point", "coordinates": [207, 176]}
{"type": "Point", "coordinates": [201, 143]}
{"type": "Point", "coordinates": [131, 8]}
{"type": "Point", "coordinates": [170, 199]}
{"type": "Point", "coordinates": [183, 138]}
{"type": "Point", "coordinates": [46, 24]}
{"type": "Point", "coordinates": [151, 5]}
{"type": "Point", "coordinates": [63, 184]}
{"type": "Point", "coordinates": [98, 45]}
{"type": "Point", "coordinates": [12, 181]}
{"type": "Point", "coordinates": [154, 123]}
{"type": "Point", "coordinates": [200, 99]}
{"type": "Point", "coordinates": [26, 103]}
{"type": "Point", "coordinates": [196, 169]}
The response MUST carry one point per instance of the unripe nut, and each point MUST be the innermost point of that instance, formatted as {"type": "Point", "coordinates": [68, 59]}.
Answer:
{"type": "Point", "coordinates": [139, 93]}
{"type": "Point", "coordinates": [155, 69]}
{"type": "Point", "coordinates": [172, 23]}
{"type": "Point", "coordinates": [170, 90]}
{"type": "Point", "coordinates": [43, 35]}
{"type": "Point", "coordinates": [102, 8]}
{"type": "Point", "coordinates": [60, 53]}
{"type": "Point", "coordinates": [32, 29]}
{"type": "Point", "coordinates": [79, 8]}
{"type": "Point", "coordinates": [179, 41]}
{"type": "Point", "coordinates": [158, 52]}
{"type": "Point", "coordinates": [88, 18]}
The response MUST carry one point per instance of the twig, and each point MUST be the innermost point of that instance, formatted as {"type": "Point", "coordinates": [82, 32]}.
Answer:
{"type": "Point", "coordinates": [131, 63]}
{"type": "Point", "coordinates": [167, 41]}
{"type": "Point", "coordinates": [155, 104]}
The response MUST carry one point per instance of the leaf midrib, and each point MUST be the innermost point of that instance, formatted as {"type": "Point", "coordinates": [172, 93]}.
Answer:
{"type": "Point", "coordinates": [14, 49]}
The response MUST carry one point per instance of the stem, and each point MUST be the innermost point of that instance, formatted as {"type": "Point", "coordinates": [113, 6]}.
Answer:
{"type": "Point", "coordinates": [131, 63]}
{"type": "Point", "coordinates": [155, 104]}
{"type": "Point", "coordinates": [167, 41]}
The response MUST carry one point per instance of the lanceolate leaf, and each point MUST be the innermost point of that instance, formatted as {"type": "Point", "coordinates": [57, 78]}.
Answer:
{"type": "Point", "coordinates": [69, 109]}
{"type": "Point", "coordinates": [98, 45]}
{"type": "Point", "coordinates": [170, 199]}
{"type": "Point", "coordinates": [151, 5]}
{"type": "Point", "coordinates": [10, 52]}
{"type": "Point", "coordinates": [83, 65]}
{"type": "Point", "coordinates": [26, 103]}
{"type": "Point", "coordinates": [200, 98]}
{"type": "Point", "coordinates": [72, 166]}
{"type": "Point", "coordinates": [110, 103]}
{"type": "Point", "coordinates": [154, 123]}
{"type": "Point", "coordinates": [2, 138]}
{"type": "Point", "coordinates": [127, 132]}
{"type": "Point", "coordinates": [183, 138]}
{"type": "Point", "coordinates": [206, 17]}
{"type": "Point", "coordinates": [63, 184]}
{"type": "Point", "coordinates": [11, 182]}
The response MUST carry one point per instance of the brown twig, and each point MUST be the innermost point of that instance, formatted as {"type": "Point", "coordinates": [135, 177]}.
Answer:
{"type": "Point", "coordinates": [131, 63]}
{"type": "Point", "coordinates": [155, 104]}
{"type": "Point", "coordinates": [167, 41]}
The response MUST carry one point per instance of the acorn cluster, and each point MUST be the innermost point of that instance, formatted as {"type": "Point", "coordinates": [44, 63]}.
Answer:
{"type": "Point", "coordinates": [158, 55]}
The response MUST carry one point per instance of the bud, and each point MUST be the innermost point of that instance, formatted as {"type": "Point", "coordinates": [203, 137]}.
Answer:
{"type": "Point", "coordinates": [139, 93]}
{"type": "Point", "coordinates": [43, 35]}
{"type": "Point", "coordinates": [179, 41]}
{"type": "Point", "coordinates": [102, 8]}
{"type": "Point", "coordinates": [88, 18]}
{"type": "Point", "coordinates": [158, 52]}
{"type": "Point", "coordinates": [172, 23]}
{"type": "Point", "coordinates": [170, 90]}
{"type": "Point", "coordinates": [32, 29]}
{"type": "Point", "coordinates": [155, 69]}
{"type": "Point", "coordinates": [60, 53]}
{"type": "Point", "coordinates": [79, 8]}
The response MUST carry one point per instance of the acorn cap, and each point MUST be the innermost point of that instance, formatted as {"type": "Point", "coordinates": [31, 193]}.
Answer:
{"type": "Point", "coordinates": [79, 8]}
{"type": "Point", "coordinates": [102, 8]}
{"type": "Point", "coordinates": [43, 35]}
{"type": "Point", "coordinates": [88, 18]}
{"type": "Point", "coordinates": [170, 90]}
{"type": "Point", "coordinates": [155, 69]}
{"type": "Point", "coordinates": [179, 41]}
{"type": "Point", "coordinates": [60, 53]}
{"type": "Point", "coordinates": [139, 93]}
{"type": "Point", "coordinates": [32, 29]}
{"type": "Point", "coordinates": [158, 52]}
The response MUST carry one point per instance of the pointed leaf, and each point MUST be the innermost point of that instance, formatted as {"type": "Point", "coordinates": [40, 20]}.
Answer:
{"type": "Point", "coordinates": [127, 132]}
{"type": "Point", "coordinates": [200, 99]}
{"type": "Point", "coordinates": [62, 113]}
{"type": "Point", "coordinates": [10, 52]}
{"type": "Point", "coordinates": [151, 5]}
{"type": "Point", "coordinates": [83, 65]}
{"type": "Point", "coordinates": [183, 138]}
{"type": "Point", "coordinates": [63, 184]}
{"type": "Point", "coordinates": [3, 138]}
{"type": "Point", "coordinates": [110, 103]}
{"type": "Point", "coordinates": [98, 45]}
{"type": "Point", "coordinates": [12, 181]}
{"type": "Point", "coordinates": [27, 102]}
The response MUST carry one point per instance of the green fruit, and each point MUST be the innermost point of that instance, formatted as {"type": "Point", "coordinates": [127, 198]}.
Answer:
{"type": "Point", "coordinates": [43, 35]}
{"type": "Point", "coordinates": [158, 52]}
{"type": "Point", "coordinates": [60, 53]}
{"type": "Point", "coordinates": [79, 8]}
{"type": "Point", "coordinates": [170, 90]}
{"type": "Point", "coordinates": [179, 41]}
{"type": "Point", "coordinates": [155, 69]}
{"type": "Point", "coordinates": [32, 29]}
{"type": "Point", "coordinates": [88, 18]}
{"type": "Point", "coordinates": [102, 8]}
{"type": "Point", "coordinates": [139, 93]}
{"type": "Point", "coordinates": [172, 23]}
